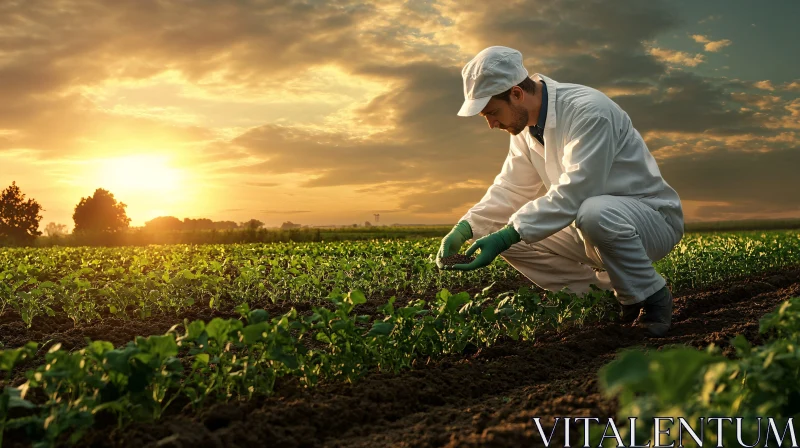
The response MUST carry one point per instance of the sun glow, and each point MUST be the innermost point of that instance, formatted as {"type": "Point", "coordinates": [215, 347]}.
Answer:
{"type": "Point", "coordinates": [148, 184]}
{"type": "Point", "coordinates": [139, 174]}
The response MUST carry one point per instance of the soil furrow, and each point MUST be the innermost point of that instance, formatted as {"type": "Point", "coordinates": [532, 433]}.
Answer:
{"type": "Point", "coordinates": [484, 399]}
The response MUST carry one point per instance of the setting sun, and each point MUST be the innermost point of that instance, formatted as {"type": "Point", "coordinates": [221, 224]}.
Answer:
{"type": "Point", "coordinates": [147, 183]}
{"type": "Point", "coordinates": [137, 174]}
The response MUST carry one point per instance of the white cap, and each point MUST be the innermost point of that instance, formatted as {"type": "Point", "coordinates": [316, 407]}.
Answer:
{"type": "Point", "coordinates": [492, 71]}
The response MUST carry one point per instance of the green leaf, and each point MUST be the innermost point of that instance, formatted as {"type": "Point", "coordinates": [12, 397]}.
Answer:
{"type": "Point", "coordinates": [381, 329]}
{"type": "Point", "coordinates": [388, 308]}
{"type": "Point", "coordinates": [99, 348]}
{"type": "Point", "coordinates": [257, 316]}
{"type": "Point", "coordinates": [628, 371]}
{"type": "Point", "coordinates": [118, 359]}
{"type": "Point", "coordinates": [173, 365]}
{"type": "Point", "coordinates": [341, 324]}
{"type": "Point", "coordinates": [200, 360]}
{"type": "Point", "coordinates": [255, 332]}
{"type": "Point", "coordinates": [742, 345]}
{"type": "Point", "coordinates": [679, 371]}
{"type": "Point", "coordinates": [195, 329]}
{"type": "Point", "coordinates": [162, 346]}
{"type": "Point", "coordinates": [243, 309]}
{"type": "Point", "coordinates": [489, 314]}
{"type": "Point", "coordinates": [287, 359]}
{"type": "Point", "coordinates": [357, 297]}
{"type": "Point", "coordinates": [322, 337]}
{"type": "Point", "coordinates": [10, 358]}
{"type": "Point", "coordinates": [220, 329]}
{"type": "Point", "coordinates": [15, 399]}
{"type": "Point", "coordinates": [454, 302]}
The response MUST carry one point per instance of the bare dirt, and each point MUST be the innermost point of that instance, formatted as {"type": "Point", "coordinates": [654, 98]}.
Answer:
{"type": "Point", "coordinates": [487, 398]}
{"type": "Point", "coordinates": [457, 259]}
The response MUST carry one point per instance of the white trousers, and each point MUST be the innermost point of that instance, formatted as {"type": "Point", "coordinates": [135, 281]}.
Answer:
{"type": "Point", "coordinates": [619, 234]}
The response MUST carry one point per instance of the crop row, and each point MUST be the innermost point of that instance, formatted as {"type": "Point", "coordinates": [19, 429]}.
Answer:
{"type": "Point", "coordinates": [229, 358]}
{"type": "Point", "coordinates": [88, 283]}
{"type": "Point", "coordinates": [759, 383]}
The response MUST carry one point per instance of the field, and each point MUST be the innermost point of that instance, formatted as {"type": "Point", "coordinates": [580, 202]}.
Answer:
{"type": "Point", "coordinates": [357, 343]}
{"type": "Point", "coordinates": [145, 237]}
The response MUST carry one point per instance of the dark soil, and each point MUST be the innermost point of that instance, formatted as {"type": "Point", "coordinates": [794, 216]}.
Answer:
{"type": "Point", "coordinates": [484, 399]}
{"type": "Point", "coordinates": [457, 259]}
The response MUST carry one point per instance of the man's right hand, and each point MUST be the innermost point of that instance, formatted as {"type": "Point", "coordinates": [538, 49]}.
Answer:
{"type": "Point", "coordinates": [453, 241]}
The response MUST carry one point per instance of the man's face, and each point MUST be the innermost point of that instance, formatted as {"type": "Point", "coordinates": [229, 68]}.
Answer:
{"type": "Point", "coordinates": [505, 115]}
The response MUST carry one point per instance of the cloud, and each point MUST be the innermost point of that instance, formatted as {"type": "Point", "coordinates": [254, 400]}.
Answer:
{"type": "Point", "coordinates": [793, 86]}
{"type": "Point", "coordinates": [438, 201]}
{"type": "Point", "coordinates": [677, 57]}
{"type": "Point", "coordinates": [764, 85]}
{"type": "Point", "coordinates": [717, 45]}
{"type": "Point", "coordinates": [755, 179]}
{"type": "Point", "coordinates": [428, 141]}
{"type": "Point", "coordinates": [363, 97]}
{"type": "Point", "coordinates": [688, 103]}
{"type": "Point", "coordinates": [134, 41]}
{"type": "Point", "coordinates": [565, 27]}
{"type": "Point", "coordinates": [763, 102]}
{"type": "Point", "coordinates": [711, 45]}
{"type": "Point", "coordinates": [710, 18]}
{"type": "Point", "coordinates": [421, 158]}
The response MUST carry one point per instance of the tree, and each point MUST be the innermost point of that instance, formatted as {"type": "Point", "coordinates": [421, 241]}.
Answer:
{"type": "Point", "coordinates": [19, 219]}
{"type": "Point", "coordinates": [100, 213]}
{"type": "Point", "coordinates": [164, 223]}
{"type": "Point", "coordinates": [198, 224]}
{"type": "Point", "coordinates": [253, 224]}
{"type": "Point", "coordinates": [225, 225]}
{"type": "Point", "coordinates": [54, 229]}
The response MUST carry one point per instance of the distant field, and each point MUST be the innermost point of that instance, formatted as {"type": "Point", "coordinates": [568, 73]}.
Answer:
{"type": "Point", "coordinates": [749, 224]}
{"type": "Point", "coordinates": [141, 237]}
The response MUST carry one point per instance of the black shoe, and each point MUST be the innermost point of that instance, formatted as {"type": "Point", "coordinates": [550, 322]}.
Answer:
{"type": "Point", "coordinates": [629, 313]}
{"type": "Point", "coordinates": [656, 316]}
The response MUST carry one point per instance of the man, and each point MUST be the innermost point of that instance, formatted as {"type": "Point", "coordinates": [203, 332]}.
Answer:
{"type": "Point", "coordinates": [579, 201]}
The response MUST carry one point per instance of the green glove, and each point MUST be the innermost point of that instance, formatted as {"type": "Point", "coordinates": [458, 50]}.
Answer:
{"type": "Point", "coordinates": [491, 246]}
{"type": "Point", "coordinates": [453, 241]}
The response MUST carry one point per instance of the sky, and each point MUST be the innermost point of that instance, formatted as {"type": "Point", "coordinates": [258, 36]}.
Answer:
{"type": "Point", "coordinates": [328, 112]}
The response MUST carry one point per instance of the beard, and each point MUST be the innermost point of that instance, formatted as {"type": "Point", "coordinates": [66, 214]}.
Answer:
{"type": "Point", "coordinates": [519, 120]}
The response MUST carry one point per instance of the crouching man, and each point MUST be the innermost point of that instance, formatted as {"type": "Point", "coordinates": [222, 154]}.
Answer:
{"type": "Point", "coordinates": [579, 200]}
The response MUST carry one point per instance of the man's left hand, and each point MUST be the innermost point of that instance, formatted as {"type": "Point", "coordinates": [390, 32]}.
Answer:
{"type": "Point", "coordinates": [491, 246]}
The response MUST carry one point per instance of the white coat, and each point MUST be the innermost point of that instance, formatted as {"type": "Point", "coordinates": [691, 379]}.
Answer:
{"type": "Point", "coordinates": [590, 149]}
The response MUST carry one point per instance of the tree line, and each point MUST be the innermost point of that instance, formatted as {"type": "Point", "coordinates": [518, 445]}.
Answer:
{"type": "Point", "coordinates": [98, 217]}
